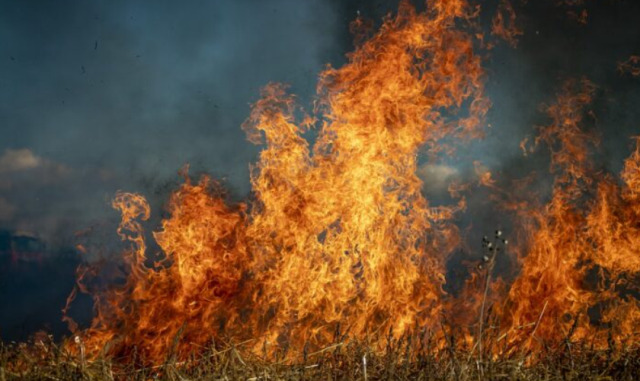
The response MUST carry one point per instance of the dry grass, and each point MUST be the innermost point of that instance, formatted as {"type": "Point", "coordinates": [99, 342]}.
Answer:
{"type": "Point", "coordinates": [42, 359]}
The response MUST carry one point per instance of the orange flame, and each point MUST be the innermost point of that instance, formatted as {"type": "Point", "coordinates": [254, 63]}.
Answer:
{"type": "Point", "coordinates": [631, 66]}
{"type": "Point", "coordinates": [504, 24]}
{"type": "Point", "coordinates": [338, 234]}
{"type": "Point", "coordinates": [549, 291]}
{"type": "Point", "coordinates": [553, 299]}
{"type": "Point", "coordinates": [338, 239]}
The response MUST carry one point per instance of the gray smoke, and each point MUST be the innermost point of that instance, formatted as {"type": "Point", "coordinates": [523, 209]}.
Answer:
{"type": "Point", "coordinates": [123, 93]}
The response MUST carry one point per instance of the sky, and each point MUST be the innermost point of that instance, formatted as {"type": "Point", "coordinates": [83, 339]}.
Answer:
{"type": "Point", "coordinates": [97, 96]}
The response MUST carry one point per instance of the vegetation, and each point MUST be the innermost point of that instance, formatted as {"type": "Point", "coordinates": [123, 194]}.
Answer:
{"type": "Point", "coordinates": [42, 359]}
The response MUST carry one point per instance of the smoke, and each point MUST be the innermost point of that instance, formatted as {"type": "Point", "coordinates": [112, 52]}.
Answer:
{"type": "Point", "coordinates": [124, 93]}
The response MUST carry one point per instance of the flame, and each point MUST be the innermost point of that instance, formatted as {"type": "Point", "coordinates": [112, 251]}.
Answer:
{"type": "Point", "coordinates": [484, 175]}
{"type": "Point", "coordinates": [504, 23]}
{"type": "Point", "coordinates": [549, 292]}
{"type": "Point", "coordinates": [581, 18]}
{"type": "Point", "coordinates": [338, 236]}
{"type": "Point", "coordinates": [575, 236]}
{"type": "Point", "coordinates": [631, 66]}
{"type": "Point", "coordinates": [338, 241]}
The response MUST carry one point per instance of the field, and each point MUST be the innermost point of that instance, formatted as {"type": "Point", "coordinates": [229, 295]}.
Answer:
{"type": "Point", "coordinates": [44, 360]}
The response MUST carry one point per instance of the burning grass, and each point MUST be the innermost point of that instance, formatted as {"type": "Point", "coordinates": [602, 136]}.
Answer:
{"type": "Point", "coordinates": [335, 267]}
{"type": "Point", "coordinates": [401, 359]}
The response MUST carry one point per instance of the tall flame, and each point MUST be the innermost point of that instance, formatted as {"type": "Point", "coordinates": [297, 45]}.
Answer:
{"type": "Point", "coordinates": [582, 249]}
{"type": "Point", "coordinates": [338, 239]}
{"type": "Point", "coordinates": [338, 236]}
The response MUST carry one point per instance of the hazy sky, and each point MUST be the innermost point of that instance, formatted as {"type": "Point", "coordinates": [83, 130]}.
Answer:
{"type": "Point", "coordinates": [120, 94]}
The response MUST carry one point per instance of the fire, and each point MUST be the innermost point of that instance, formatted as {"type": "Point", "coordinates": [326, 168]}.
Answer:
{"type": "Point", "coordinates": [575, 235]}
{"type": "Point", "coordinates": [504, 24]}
{"type": "Point", "coordinates": [550, 292]}
{"type": "Point", "coordinates": [338, 236]}
{"type": "Point", "coordinates": [338, 240]}
{"type": "Point", "coordinates": [630, 65]}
